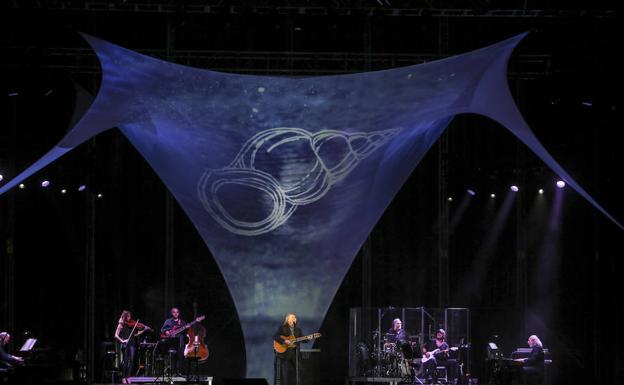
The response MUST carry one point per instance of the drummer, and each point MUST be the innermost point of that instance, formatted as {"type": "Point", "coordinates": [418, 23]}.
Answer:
{"type": "Point", "coordinates": [397, 334]}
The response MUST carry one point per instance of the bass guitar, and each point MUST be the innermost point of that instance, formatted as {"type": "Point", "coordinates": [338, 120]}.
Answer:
{"type": "Point", "coordinates": [281, 348]}
{"type": "Point", "coordinates": [431, 355]}
{"type": "Point", "coordinates": [175, 331]}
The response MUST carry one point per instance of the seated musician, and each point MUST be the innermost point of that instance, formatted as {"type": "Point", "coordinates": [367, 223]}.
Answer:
{"type": "Point", "coordinates": [533, 365]}
{"type": "Point", "coordinates": [437, 354]}
{"type": "Point", "coordinates": [177, 343]}
{"type": "Point", "coordinates": [286, 363]}
{"type": "Point", "coordinates": [397, 333]}
{"type": "Point", "coordinates": [7, 361]}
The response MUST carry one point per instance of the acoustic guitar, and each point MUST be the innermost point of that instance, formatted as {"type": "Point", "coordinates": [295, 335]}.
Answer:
{"type": "Point", "coordinates": [281, 348]}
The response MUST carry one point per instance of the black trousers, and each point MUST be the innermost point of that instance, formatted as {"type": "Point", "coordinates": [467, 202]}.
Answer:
{"type": "Point", "coordinates": [286, 367]}
{"type": "Point", "coordinates": [129, 352]}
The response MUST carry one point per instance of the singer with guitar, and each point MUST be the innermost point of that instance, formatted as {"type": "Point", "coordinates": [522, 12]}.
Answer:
{"type": "Point", "coordinates": [285, 343]}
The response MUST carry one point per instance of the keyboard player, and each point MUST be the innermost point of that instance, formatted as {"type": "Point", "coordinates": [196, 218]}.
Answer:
{"type": "Point", "coordinates": [533, 365]}
{"type": "Point", "coordinates": [7, 361]}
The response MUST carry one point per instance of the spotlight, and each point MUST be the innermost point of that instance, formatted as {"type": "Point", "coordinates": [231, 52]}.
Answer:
{"type": "Point", "coordinates": [450, 199]}
{"type": "Point", "coordinates": [100, 196]}
{"type": "Point", "coordinates": [82, 187]}
{"type": "Point", "coordinates": [1, 177]}
{"type": "Point", "coordinates": [471, 192]}
{"type": "Point", "coordinates": [492, 195]}
{"type": "Point", "coordinates": [587, 104]}
{"type": "Point", "coordinates": [45, 183]}
{"type": "Point", "coordinates": [540, 191]}
{"type": "Point", "coordinates": [13, 94]}
{"type": "Point", "coordinates": [560, 184]}
{"type": "Point", "coordinates": [514, 188]}
{"type": "Point", "coordinates": [21, 185]}
{"type": "Point", "coordinates": [63, 191]}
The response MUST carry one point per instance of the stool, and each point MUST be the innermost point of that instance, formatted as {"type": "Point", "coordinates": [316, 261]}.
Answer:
{"type": "Point", "coordinates": [441, 374]}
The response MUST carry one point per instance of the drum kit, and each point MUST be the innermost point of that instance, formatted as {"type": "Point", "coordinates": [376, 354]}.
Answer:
{"type": "Point", "coordinates": [390, 358]}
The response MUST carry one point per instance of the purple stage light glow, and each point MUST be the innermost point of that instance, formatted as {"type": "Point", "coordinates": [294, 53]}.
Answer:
{"type": "Point", "coordinates": [471, 192]}
{"type": "Point", "coordinates": [82, 187]}
{"type": "Point", "coordinates": [560, 184]}
{"type": "Point", "coordinates": [1, 177]}
{"type": "Point", "coordinates": [514, 188]}
{"type": "Point", "coordinates": [45, 183]}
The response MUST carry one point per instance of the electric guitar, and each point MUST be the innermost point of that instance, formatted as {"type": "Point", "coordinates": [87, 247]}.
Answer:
{"type": "Point", "coordinates": [281, 348]}
{"type": "Point", "coordinates": [431, 355]}
{"type": "Point", "coordinates": [175, 331]}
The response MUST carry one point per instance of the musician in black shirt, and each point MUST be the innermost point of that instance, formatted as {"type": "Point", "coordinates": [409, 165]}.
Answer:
{"type": "Point", "coordinates": [286, 363]}
{"type": "Point", "coordinates": [126, 332]}
{"type": "Point", "coordinates": [7, 360]}
{"type": "Point", "coordinates": [178, 342]}
{"type": "Point", "coordinates": [533, 368]}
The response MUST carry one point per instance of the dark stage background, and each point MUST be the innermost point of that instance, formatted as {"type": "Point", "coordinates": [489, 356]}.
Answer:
{"type": "Point", "coordinates": [72, 262]}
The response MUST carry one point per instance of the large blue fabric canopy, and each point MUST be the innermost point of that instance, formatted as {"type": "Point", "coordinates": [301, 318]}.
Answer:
{"type": "Point", "coordinates": [285, 178]}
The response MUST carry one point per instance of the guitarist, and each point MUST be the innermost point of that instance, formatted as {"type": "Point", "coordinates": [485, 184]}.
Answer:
{"type": "Point", "coordinates": [177, 343]}
{"type": "Point", "coordinates": [286, 363]}
{"type": "Point", "coordinates": [437, 354]}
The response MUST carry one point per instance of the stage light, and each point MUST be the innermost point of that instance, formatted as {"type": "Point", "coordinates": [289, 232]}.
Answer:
{"type": "Point", "coordinates": [49, 92]}
{"type": "Point", "coordinates": [514, 188]}
{"type": "Point", "coordinates": [471, 192]}
{"type": "Point", "coordinates": [63, 191]}
{"type": "Point", "coordinates": [1, 177]}
{"type": "Point", "coordinates": [587, 104]}
{"type": "Point", "coordinates": [21, 185]}
{"type": "Point", "coordinates": [450, 199]}
{"type": "Point", "coordinates": [492, 195]}
{"type": "Point", "coordinates": [45, 183]}
{"type": "Point", "coordinates": [560, 184]}
{"type": "Point", "coordinates": [100, 196]}
{"type": "Point", "coordinates": [13, 94]}
{"type": "Point", "coordinates": [82, 187]}
{"type": "Point", "coordinates": [540, 191]}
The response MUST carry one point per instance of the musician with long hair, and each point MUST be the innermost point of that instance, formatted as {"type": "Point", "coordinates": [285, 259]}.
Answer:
{"type": "Point", "coordinates": [126, 333]}
{"type": "Point", "coordinates": [286, 363]}
{"type": "Point", "coordinates": [7, 360]}
{"type": "Point", "coordinates": [533, 366]}
{"type": "Point", "coordinates": [437, 354]}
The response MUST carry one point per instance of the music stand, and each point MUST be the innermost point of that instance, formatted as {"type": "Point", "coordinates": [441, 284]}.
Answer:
{"type": "Point", "coordinates": [28, 345]}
